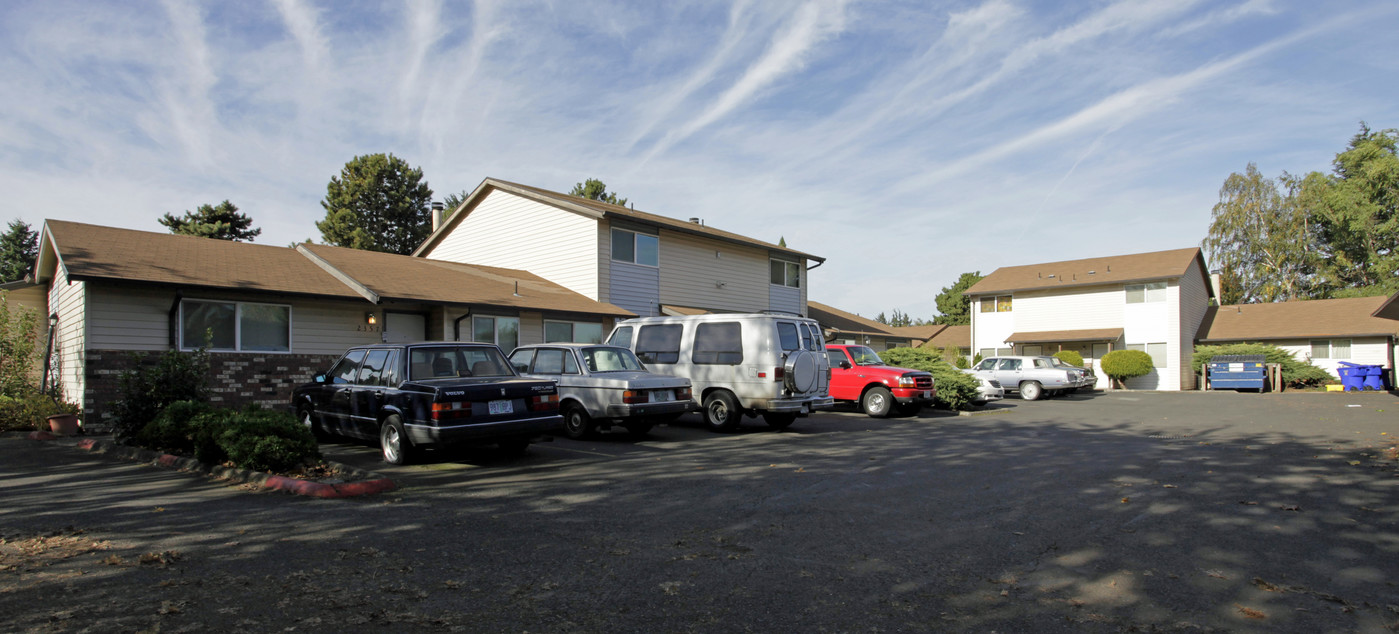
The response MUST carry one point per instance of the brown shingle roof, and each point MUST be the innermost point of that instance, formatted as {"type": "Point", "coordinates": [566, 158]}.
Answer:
{"type": "Point", "coordinates": [1348, 317]}
{"type": "Point", "coordinates": [406, 278]}
{"type": "Point", "coordinates": [1120, 269]}
{"type": "Point", "coordinates": [922, 333]}
{"type": "Point", "coordinates": [1389, 309]}
{"type": "Point", "coordinates": [93, 252]}
{"type": "Point", "coordinates": [597, 209]}
{"type": "Point", "coordinates": [842, 321]}
{"type": "Point", "coordinates": [949, 336]}
{"type": "Point", "coordinates": [1065, 336]}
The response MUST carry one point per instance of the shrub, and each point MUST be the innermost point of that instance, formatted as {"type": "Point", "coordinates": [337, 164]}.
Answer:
{"type": "Point", "coordinates": [172, 429]}
{"type": "Point", "coordinates": [147, 389]}
{"type": "Point", "coordinates": [956, 389]}
{"type": "Point", "coordinates": [253, 438]}
{"type": "Point", "coordinates": [962, 363]}
{"type": "Point", "coordinates": [1121, 365]}
{"type": "Point", "coordinates": [20, 352]}
{"type": "Point", "coordinates": [1070, 357]}
{"type": "Point", "coordinates": [1294, 373]}
{"type": "Point", "coordinates": [30, 411]}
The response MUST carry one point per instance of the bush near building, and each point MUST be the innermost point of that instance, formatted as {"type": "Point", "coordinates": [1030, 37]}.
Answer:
{"type": "Point", "coordinates": [1295, 374]}
{"type": "Point", "coordinates": [956, 389]}
{"type": "Point", "coordinates": [1123, 365]}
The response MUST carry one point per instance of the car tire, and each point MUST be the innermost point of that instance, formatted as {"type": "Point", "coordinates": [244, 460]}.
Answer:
{"type": "Point", "coordinates": [877, 402]}
{"type": "Point", "coordinates": [1031, 391]}
{"type": "Point", "coordinates": [721, 411]}
{"type": "Point", "coordinates": [513, 446]}
{"type": "Point", "coordinates": [308, 419]}
{"type": "Point", "coordinates": [639, 430]}
{"type": "Point", "coordinates": [576, 422]}
{"type": "Point", "coordinates": [394, 443]}
{"type": "Point", "coordinates": [779, 420]}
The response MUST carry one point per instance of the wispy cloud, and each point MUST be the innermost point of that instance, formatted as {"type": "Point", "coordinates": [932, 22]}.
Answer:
{"type": "Point", "coordinates": [185, 95]}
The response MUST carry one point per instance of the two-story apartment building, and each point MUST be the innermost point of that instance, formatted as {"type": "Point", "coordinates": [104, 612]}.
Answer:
{"type": "Point", "coordinates": [646, 263]}
{"type": "Point", "coordinates": [1152, 302]}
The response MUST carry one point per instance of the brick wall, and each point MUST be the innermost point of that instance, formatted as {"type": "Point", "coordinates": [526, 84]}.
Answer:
{"type": "Point", "coordinates": [235, 379]}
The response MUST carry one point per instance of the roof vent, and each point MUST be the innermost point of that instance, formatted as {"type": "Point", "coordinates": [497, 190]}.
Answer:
{"type": "Point", "coordinates": [1051, 276]}
{"type": "Point", "coordinates": [698, 221]}
{"type": "Point", "coordinates": [1092, 272]}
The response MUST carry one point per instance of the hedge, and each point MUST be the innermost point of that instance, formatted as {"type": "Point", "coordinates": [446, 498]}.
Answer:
{"type": "Point", "coordinates": [253, 438]}
{"type": "Point", "coordinates": [955, 389]}
{"type": "Point", "coordinates": [1295, 373]}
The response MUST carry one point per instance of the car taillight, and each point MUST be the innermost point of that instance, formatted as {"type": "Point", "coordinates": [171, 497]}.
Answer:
{"type": "Point", "coordinates": [454, 409]}
{"type": "Point", "coordinates": [544, 402]}
{"type": "Point", "coordinates": [683, 394]}
{"type": "Point", "coordinates": [778, 374]}
{"type": "Point", "coordinates": [632, 397]}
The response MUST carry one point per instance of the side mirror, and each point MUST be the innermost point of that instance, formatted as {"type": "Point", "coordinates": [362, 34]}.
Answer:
{"type": "Point", "coordinates": [845, 365]}
{"type": "Point", "coordinates": [320, 378]}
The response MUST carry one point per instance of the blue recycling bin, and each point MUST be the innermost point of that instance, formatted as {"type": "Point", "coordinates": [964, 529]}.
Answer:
{"type": "Point", "coordinates": [1352, 376]}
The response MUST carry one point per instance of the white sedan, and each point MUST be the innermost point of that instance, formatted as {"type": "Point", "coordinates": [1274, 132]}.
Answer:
{"type": "Point", "coordinates": [602, 386]}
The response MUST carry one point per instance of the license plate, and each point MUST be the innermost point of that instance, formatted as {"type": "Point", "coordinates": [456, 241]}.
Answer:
{"type": "Point", "coordinates": [927, 394]}
{"type": "Point", "coordinates": [501, 407]}
{"type": "Point", "coordinates": [662, 396]}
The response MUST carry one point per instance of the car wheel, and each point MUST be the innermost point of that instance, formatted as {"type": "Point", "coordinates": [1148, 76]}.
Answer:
{"type": "Point", "coordinates": [513, 446]}
{"type": "Point", "coordinates": [1031, 391]}
{"type": "Point", "coordinates": [779, 420]}
{"type": "Point", "coordinates": [877, 402]}
{"type": "Point", "coordinates": [721, 411]}
{"type": "Point", "coordinates": [639, 430]}
{"type": "Point", "coordinates": [576, 422]}
{"type": "Point", "coordinates": [394, 441]}
{"type": "Point", "coordinates": [308, 419]}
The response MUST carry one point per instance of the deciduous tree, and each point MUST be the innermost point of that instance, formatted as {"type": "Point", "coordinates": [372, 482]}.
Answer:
{"type": "Point", "coordinates": [1357, 212]}
{"type": "Point", "coordinates": [377, 203]}
{"type": "Point", "coordinates": [221, 222]}
{"type": "Point", "coordinates": [1261, 240]}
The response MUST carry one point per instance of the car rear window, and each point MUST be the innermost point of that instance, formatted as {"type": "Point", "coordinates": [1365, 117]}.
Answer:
{"type": "Point", "coordinates": [719, 343]}
{"type": "Point", "coordinates": [787, 335]}
{"type": "Point", "coordinates": [659, 343]}
{"type": "Point", "coordinates": [450, 362]}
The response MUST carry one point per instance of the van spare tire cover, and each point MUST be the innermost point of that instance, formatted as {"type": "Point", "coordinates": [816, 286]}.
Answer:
{"type": "Point", "coordinates": [801, 371]}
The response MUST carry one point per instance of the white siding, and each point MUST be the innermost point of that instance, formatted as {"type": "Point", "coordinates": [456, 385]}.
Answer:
{"type": "Point", "coordinates": [70, 302]}
{"type": "Point", "coordinates": [737, 278]}
{"type": "Point", "coordinates": [1363, 350]}
{"type": "Point", "coordinates": [508, 231]}
{"type": "Point", "coordinates": [1194, 303]}
{"type": "Point", "coordinates": [1067, 309]}
{"type": "Point", "coordinates": [990, 330]}
{"type": "Point", "coordinates": [1155, 322]}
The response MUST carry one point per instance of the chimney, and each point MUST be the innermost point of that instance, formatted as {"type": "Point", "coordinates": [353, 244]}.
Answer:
{"type": "Point", "coordinates": [436, 216]}
{"type": "Point", "coordinates": [1216, 285]}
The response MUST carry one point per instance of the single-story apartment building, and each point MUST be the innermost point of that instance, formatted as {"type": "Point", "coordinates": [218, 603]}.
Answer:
{"type": "Point", "coordinates": [838, 326]}
{"type": "Point", "coordinates": [1325, 332]}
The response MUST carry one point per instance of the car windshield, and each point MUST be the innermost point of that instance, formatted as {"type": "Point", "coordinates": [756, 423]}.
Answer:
{"type": "Point", "coordinates": [864, 356]}
{"type": "Point", "coordinates": [441, 362]}
{"type": "Point", "coordinates": [610, 359]}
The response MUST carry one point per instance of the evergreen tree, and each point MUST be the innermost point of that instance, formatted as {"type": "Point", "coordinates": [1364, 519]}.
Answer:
{"type": "Point", "coordinates": [953, 303]}
{"type": "Point", "coordinates": [19, 247]}
{"type": "Point", "coordinates": [221, 222]}
{"type": "Point", "coordinates": [377, 203]}
{"type": "Point", "coordinates": [596, 190]}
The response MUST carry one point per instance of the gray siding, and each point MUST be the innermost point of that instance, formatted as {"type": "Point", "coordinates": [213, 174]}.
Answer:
{"type": "Point", "coordinates": [707, 273]}
{"type": "Point", "coordinates": [785, 298]}
{"type": "Point", "coordinates": [636, 288]}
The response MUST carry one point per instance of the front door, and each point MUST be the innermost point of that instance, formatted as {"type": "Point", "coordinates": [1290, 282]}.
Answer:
{"type": "Point", "coordinates": [404, 327]}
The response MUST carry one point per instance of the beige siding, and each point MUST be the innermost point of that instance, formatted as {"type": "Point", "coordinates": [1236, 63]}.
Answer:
{"type": "Point", "coordinates": [508, 231]}
{"type": "Point", "coordinates": [531, 328]}
{"type": "Point", "coordinates": [1194, 302]}
{"type": "Point", "coordinates": [691, 274]}
{"type": "Point", "coordinates": [34, 299]}
{"type": "Point", "coordinates": [138, 319]}
{"type": "Point", "coordinates": [69, 301]}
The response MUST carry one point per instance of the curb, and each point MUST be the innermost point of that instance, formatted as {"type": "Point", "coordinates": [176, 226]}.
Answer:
{"type": "Point", "coordinates": [370, 483]}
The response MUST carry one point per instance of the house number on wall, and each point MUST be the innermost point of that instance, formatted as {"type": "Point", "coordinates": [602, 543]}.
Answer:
{"type": "Point", "coordinates": [370, 328]}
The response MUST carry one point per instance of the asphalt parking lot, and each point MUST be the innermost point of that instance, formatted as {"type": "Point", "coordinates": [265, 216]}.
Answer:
{"type": "Point", "coordinates": [1099, 512]}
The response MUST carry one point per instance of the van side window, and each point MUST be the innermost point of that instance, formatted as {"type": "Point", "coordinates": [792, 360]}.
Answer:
{"type": "Point", "coordinates": [787, 334]}
{"type": "Point", "coordinates": [719, 343]}
{"type": "Point", "coordinates": [659, 343]}
{"type": "Point", "coordinates": [622, 337]}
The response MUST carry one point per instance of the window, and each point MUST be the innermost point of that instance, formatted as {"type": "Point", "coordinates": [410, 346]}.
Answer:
{"type": "Point", "coordinates": [637, 248]}
{"type": "Point", "coordinates": [239, 326]}
{"type": "Point", "coordinates": [1146, 293]}
{"type": "Point", "coordinates": [501, 331]}
{"type": "Point", "coordinates": [836, 357]}
{"type": "Point", "coordinates": [1033, 351]}
{"type": "Point", "coordinates": [1330, 348]}
{"type": "Point", "coordinates": [788, 338]}
{"type": "Point", "coordinates": [373, 367]}
{"type": "Point", "coordinates": [446, 361]}
{"type": "Point", "coordinates": [521, 359]}
{"type": "Point", "coordinates": [1156, 350]}
{"type": "Point", "coordinates": [611, 360]}
{"type": "Point", "coordinates": [572, 331]}
{"type": "Point", "coordinates": [719, 343]}
{"type": "Point", "coordinates": [621, 337]}
{"type": "Point", "coordinates": [344, 371]}
{"type": "Point", "coordinates": [786, 273]}
{"type": "Point", "coordinates": [548, 361]}
{"type": "Point", "coordinates": [659, 343]}
{"type": "Point", "coordinates": [811, 335]}
{"type": "Point", "coordinates": [1008, 364]}
{"type": "Point", "coordinates": [987, 364]}
{"type": "Point", "coordinates": [999, 304]}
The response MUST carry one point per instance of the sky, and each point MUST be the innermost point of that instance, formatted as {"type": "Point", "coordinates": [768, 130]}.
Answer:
{"type": "Point", "coordinates": [906, 142]}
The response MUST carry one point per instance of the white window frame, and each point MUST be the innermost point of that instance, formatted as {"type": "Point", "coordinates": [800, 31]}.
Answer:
{"type": "Point", "coordinates": [1331, 349]}
{"type": "Point", "coordinates": [634, 245]}
{"type": "Point", "coordinates": [237, 326]}
{"type": "Point", "coordinates": [1159, 359]}
{"type": "Point", "coordinates": [495, 330]}
{"type": "Point", "coordinates": [1151, 292]}
{"type": "Point", "coordinates": [787, 269]}
{"type": "Point", "coordinates": [572, 329]}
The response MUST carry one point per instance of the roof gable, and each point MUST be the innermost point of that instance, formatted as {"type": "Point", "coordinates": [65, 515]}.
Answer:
{"type": "Point", "coordinates": [1346, 317]}
{"type": "Point", "coordinates": [594, 209]}
{"type": "Point", "coordinates": [1119, 269]}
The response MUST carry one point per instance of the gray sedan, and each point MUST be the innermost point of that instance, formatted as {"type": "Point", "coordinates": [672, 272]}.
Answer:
{"type": "Point", "coordinates": [602, 386]}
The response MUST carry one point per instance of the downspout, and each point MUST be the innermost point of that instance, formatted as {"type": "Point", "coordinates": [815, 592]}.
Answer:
{"type": "Point", "coordinates": [456, 325]}
{"type": "Point", "coordinates": [174, 317]}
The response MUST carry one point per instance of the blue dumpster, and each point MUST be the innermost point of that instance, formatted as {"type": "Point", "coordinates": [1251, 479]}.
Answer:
{"type": "Point", "coordinates": [1238, 372]}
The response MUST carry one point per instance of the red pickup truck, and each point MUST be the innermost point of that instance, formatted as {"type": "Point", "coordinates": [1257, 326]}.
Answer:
{"type": "Point", "coordinates": [859, 375]}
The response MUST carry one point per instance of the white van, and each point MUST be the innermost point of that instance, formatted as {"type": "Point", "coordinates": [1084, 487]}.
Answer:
{"type": "Point", "coordinates": [767, 364]}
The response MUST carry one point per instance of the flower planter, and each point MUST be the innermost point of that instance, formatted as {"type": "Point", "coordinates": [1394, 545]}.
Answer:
{"type": "Point", "coordinates": [64, 424]}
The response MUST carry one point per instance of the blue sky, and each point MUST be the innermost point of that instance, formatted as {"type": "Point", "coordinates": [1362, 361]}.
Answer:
{"type": "Point", "coordinates": [906, 142]}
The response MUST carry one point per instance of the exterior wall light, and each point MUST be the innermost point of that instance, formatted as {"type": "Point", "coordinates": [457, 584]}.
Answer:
{"type": "Point", "coordinates": [371, 318]}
